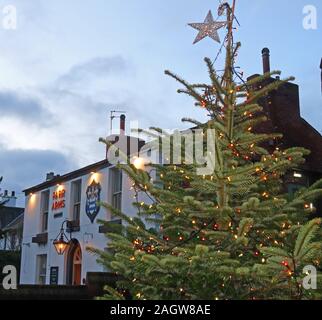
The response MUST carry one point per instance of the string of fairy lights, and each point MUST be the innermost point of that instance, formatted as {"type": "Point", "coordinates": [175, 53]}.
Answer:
{"type": "Point", "coordinates": [167, 243]}
{"type": "Point", "coordinates": [178, 241]}
{"type": "Point", "coordinates": [173, 243]}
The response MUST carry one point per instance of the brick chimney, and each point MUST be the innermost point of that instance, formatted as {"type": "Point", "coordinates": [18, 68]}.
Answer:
{"type": "Point", "coordinates": [266, 60]}
{"type": "Point", "coordinates": [9, 199]}
{"type": "Point", "coordinates": [50, 176]}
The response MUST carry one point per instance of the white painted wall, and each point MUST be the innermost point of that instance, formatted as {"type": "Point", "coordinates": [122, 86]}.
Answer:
{"type": "Point", "coordinates": [87, 236]}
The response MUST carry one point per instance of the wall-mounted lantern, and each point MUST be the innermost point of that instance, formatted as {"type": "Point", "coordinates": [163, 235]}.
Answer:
{"type": "Point", "coordinates": [61, 243]}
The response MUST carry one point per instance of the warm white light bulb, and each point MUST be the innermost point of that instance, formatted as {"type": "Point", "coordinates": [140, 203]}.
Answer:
{"type": "Point", "coordinates": [139, 163]}
{"type": "Point", "coordinates": [297, 175]}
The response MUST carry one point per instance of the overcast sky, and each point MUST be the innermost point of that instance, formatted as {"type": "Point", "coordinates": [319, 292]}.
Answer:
{"type": "Point", "coordinates": [69, 63]}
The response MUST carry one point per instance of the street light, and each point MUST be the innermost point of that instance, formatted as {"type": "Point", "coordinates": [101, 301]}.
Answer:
{"type": "Point", "coordinates": [61, 243]}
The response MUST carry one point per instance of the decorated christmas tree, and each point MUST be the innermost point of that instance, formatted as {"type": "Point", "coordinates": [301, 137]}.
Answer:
{"type": "Point", "coordinates": [229, 233]}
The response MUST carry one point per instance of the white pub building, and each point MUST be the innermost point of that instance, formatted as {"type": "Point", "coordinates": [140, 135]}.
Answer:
{"type": "Point", "coordinates": [67, 207]}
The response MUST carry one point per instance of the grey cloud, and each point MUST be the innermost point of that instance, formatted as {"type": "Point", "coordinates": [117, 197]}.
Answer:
{"type": "Point", "coordinates": [98, 67]}
{"type": "Point", "coordinates": [117, 93]}
{"type": "Point", "coordinates": [24, 168]}
{"type": "Point", "coordinates": [13, 104]}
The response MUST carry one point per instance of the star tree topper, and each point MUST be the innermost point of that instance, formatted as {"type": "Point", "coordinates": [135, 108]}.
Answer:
{"type": "Point", "coordinates": [208, 29]}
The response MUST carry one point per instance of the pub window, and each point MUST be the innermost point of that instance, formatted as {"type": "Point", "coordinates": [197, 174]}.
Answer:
{"type": "Point", "coordinates": [44, 210]}
{"type": "Point", "coordinates": [116, 188]}
{"type": "Point", "coordinates": [293, 188]}
{"type": "Point", "coordinates": [41, 269]}
{"type": "Point", "coordinates": [76, 200]}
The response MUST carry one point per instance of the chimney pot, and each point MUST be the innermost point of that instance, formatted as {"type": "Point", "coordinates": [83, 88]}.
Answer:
{"type": "Point", "coordinates": [266, 60]}
{"type": "Point", "coordinates": [50, 176]}
{"type": "Point", "coordinates": [122, 123]}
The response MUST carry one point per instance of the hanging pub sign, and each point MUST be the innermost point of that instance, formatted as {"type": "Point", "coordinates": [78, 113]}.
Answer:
{"type": "Point", "coordinates": [93, 196]}
{"type": "Point", "coordinates": [58, 200]}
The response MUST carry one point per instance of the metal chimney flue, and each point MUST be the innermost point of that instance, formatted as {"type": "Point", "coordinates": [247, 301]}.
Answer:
{"type": "Point", "coordinates": [122, 123]}
{"type": "Point", "coordinates": [266, 60]}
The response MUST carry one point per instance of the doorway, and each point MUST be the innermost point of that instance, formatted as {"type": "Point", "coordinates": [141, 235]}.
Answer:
{"type": "Point", "coordinates": [74, 264]}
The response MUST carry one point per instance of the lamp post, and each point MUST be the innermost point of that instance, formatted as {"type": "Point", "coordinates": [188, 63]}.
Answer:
{"type": "Point", "coordinates": [61, 243]}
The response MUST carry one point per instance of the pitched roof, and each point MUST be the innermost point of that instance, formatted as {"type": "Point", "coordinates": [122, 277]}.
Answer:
{"type": "Point", "coordinates": [14, 224]}
{"type": "Point", "coordinates": [8, 214]}
{"type": "Point", "coordinates": [68, 176]}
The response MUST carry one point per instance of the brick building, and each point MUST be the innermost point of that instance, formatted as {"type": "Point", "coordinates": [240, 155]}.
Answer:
{"type": "Point", "coordinates": [282, 108]}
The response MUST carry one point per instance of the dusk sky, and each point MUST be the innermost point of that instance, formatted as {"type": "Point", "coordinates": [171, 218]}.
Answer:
{"type": "Point", "coordinates": [69, 63]}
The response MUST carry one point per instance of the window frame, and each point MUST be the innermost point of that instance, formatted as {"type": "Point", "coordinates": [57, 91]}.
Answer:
{"type": "Point", "coordinates": [76, 203]}
{"type": "Point", "coordinates": [41, 277]}
{"type": "Point", "coordinates": [44, 210]}
{"type": "Point", "coordinates": [116, 189]}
